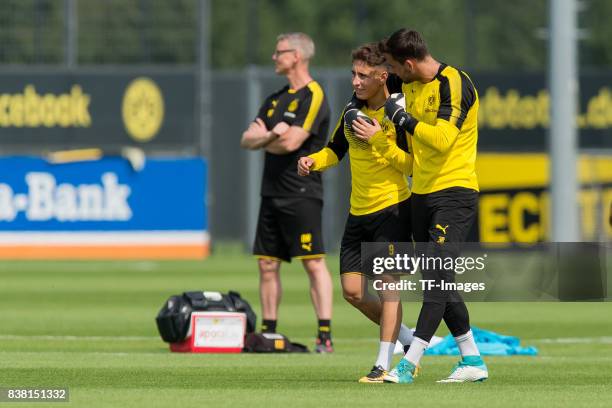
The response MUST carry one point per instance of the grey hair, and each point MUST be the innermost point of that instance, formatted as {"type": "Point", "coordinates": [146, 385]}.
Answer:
{"type": "Point", "coordinates": [301, 42]}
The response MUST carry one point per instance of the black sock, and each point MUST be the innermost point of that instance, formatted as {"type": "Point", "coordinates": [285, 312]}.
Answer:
{"type": "Point", "coordinates": [268, 326]}
{"type": "Point", "coordinates": [324, 329]}
{"type": "Point", "coordinates": [429, 319]}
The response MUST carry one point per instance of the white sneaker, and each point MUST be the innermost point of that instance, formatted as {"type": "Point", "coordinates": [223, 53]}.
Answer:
{"type": "Point", "coordinates": [473, 370]}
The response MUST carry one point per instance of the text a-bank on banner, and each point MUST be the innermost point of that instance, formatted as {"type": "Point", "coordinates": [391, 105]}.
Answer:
{"type": "Point", "coordinates": [103, 209]}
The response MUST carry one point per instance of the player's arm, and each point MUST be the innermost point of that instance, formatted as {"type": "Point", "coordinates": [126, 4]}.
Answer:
{"type": "Point", "coordinates": [288, 141]}
{"type": "Point", "coordinates": [338, 145]}
{"type": "Point", "coordinates": [329, 156]}
{"type": "Point", "coordinates": [457, 95]}
{"type": "Point", "coordinates": [397, 157]}
{"type": "Point", "coordinates": [308, 115]}
{"type": "Point", "coordinates": [384, 144]}
{"type": "Point", "coordinates": [336, 148]}
{"type": "Point", "coordinates": [318, 161]}
{"type": "Point", "coordinates": [440, 136]}
{"type": "Point", "coordinates": [257, 136]}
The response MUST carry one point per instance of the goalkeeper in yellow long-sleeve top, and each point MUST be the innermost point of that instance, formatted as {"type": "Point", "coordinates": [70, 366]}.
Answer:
{"type": "Point", "coordinates": [380, 204]}
{"type": "Point", "coordinates": [437, 105]}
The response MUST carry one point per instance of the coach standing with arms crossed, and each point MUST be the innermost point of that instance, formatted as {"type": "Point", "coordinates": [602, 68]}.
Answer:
{"type": "Point", "coordinates": [291, 123]}
{"type": "Point", "coordinates": [438, 106]}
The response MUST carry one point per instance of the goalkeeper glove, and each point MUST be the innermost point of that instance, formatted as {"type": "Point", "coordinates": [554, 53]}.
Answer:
{"type": "Point", "coordinates": [395, 109]}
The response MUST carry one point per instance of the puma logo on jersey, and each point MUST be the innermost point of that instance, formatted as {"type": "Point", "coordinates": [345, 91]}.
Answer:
{"type": "Point", "coordinates": [442, 228]}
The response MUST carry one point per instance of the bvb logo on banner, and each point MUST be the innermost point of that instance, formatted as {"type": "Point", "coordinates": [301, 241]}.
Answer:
{"type": "Point", "coordinates": [142, 109]}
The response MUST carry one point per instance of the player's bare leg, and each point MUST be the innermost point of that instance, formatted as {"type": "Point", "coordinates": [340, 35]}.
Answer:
{"type": "Point", "coordinates": [270, 291]}
{"type": "Point", "coordinates": [391, 312]}
{"type": "Point", "coordinates": [321, 293]}
{"type": "Point", "coordinates": [353, 290]}
{"type": "Point", "coordinates": [387, 314]}
{"type": "Point", "coordinates": [320, 286]}
{"type": "Point", "coordinates": [390, 321]}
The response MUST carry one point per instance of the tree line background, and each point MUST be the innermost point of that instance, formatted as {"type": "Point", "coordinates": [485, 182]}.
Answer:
{"type": "Point", "coordinates": [474, 34]}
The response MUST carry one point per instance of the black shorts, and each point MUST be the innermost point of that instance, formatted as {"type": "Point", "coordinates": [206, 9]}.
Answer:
{"type": "Point", "coordinates": [289, 227]}
{"type": "Point", "coordinates": [444, 216]}
{"type": "Point", "coordinates": [441, 222]}
{"type": "Point", "coordinates": [391, 224]}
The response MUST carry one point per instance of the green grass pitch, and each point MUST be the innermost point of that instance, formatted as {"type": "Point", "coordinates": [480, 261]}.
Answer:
{"type": "Point", "coordinates": [90, 326]}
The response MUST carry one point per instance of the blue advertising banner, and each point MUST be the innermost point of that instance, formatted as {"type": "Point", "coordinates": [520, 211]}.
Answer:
{"type": "Point", "coordinates": [103, 203]}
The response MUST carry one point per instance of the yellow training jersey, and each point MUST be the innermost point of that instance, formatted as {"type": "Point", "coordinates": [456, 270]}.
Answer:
{"type": "Point", "coordinates": [378, 168]}
{"type": "Point", "coordinates": [444, 139]}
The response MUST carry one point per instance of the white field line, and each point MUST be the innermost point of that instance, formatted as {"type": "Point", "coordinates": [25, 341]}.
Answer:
{"type": "Point", "coordinates": [78, 338]}
{"type": "Point", "coordinates": [558, 340]}
{"type": "Point", "coordinates": [573, 340]}
{"type": "Point", "coordinates": [76, 265]}
{"type": "Point", "coordinates": [114, 238]}
{"type": "Point", "coordinates": [141, 338]}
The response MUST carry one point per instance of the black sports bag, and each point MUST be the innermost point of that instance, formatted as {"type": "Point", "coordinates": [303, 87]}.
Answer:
{"type": "Point", "coordinates": [271, 343]}
{"type": "Point", "coordinates": [174, 317]}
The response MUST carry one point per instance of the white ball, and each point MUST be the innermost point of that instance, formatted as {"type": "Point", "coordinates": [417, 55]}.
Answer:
{"type": "Point", "coordinates": [365, 117]}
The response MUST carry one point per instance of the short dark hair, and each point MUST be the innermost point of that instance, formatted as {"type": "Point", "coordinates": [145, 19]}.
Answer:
{"type": "Point", "coordinates": [404, 44]}
{"type": "Point", "coordinates": [370, 54]}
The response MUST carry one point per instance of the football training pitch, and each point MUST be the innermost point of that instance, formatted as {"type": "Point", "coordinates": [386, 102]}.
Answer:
{"type": "Point", "coordinates": [89, 326]}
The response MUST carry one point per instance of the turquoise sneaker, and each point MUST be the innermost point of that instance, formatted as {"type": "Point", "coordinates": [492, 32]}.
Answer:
{"type": "Point", "coordinates": [469, 369]}
{"type": "Point", "coordinates": [403, 373]}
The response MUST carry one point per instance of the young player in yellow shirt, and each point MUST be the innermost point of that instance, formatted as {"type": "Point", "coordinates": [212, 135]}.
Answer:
{"type": "Point", "coordinates": [380, 196]}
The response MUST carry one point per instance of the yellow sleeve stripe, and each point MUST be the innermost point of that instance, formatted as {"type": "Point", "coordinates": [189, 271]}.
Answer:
{"type": "Point", "coordinates": [315, 104]}
{"type": "Point", "coordinates": [454, 83]}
